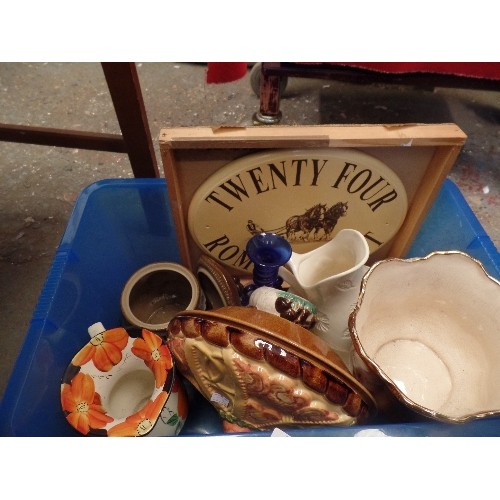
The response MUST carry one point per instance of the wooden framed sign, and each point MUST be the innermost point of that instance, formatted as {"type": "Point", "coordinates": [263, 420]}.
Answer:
{"type": "Point", "coordinates": [305, 183]}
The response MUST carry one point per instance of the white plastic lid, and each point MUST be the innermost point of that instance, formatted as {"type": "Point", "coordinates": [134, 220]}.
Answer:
{"type": "Point", "coordinates": [95, 329]}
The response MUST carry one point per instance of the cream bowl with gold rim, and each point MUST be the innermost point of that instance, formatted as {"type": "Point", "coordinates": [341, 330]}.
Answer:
{"type": "Point", "coordinates": [426, 336]}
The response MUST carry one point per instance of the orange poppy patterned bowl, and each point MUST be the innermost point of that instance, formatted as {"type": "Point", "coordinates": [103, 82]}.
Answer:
{"type": "Point", "coordinates": [123, 383]}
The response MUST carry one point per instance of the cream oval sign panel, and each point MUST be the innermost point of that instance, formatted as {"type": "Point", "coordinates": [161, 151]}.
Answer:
{"type": "Point", "coordinates": [306, 196]}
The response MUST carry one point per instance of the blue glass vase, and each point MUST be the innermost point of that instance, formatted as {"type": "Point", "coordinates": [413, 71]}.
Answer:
{"type": "Point", "coordinates": [267, 251]}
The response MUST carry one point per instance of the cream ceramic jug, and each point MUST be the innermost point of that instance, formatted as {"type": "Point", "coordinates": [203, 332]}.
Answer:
{"type": "Point", "coordinates": [330, 276]}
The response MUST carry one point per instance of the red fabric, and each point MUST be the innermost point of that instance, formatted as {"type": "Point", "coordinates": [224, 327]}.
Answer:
{"type": "Point", "coordinates": [218, 72]}
{"type": "Point", "coordinates": [468, 69]}
{"type": "Point", "coordinates": [228, 72]}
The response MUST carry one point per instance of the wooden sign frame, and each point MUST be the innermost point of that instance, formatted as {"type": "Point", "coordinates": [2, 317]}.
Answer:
{"type": "Point", "coordinates": [421, 155]}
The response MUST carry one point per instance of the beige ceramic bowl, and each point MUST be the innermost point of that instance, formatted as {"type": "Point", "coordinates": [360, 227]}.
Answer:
{"type": "Point", "coordinates": [157, 292]}
{"type": "Point", "coordinates": [426, 333]}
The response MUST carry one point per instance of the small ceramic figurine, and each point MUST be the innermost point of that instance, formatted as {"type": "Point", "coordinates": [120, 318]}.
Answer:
{"type": "Point", "coordinates": [285, 304]}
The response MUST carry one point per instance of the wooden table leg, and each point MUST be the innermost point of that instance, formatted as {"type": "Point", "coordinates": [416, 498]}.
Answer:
{"type": "Point", "coordinates": [269, 112]}
{"type": "Point", "coordinates": [125, 90]}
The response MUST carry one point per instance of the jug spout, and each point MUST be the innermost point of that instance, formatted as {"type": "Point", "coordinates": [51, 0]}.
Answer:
{"type": "Point", "coordinates": [290, 278]}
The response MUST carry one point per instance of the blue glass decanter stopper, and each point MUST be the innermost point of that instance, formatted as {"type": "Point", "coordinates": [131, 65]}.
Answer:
{"type": "Point", "coordinates": [267, 251]}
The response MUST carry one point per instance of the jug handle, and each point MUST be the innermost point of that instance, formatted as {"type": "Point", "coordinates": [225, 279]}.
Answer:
{"type": "Point", "coordinates": [292, 281]}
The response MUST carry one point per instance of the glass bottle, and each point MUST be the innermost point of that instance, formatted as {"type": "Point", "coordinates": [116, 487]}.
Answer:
{"type": "Point", "coordinates": [267, 251]}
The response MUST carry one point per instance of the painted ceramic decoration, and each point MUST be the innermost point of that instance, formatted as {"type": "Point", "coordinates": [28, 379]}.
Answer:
{"type": "Point", "coordinates": [286, 305]}
{"type": "Point", "coordinates": [307, 196]}
{"type": "Point", "coordinates": [218, 286]}
{"type": "Point", "coordinates": [123, 383]}
{"type": "Point", "coordinates": [426, 333]}
{"type": "Point", "coordinates": [260, 371]}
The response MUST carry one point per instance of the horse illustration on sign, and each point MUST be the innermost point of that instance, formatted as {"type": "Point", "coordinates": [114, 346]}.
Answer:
{"type": "Point", "coordinates": [316, 223]}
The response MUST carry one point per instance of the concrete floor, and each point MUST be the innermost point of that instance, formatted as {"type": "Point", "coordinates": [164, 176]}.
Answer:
{"type": "Point", "coordinates": [40, 184]}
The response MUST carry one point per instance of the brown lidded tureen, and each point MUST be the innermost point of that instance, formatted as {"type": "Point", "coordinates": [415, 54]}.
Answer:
{"type": "Point", "coordinates": [261, 371]}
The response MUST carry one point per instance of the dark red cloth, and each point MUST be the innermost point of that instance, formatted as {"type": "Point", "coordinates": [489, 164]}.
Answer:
{"type": "Point", "coordinates": [468, 69]}
{"type": "Point", "coordinates": [218, 72]}
{"type": "Point", "coordinates": [228, 72]}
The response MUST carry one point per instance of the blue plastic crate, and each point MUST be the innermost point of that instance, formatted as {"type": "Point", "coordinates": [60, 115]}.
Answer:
{"type": "Point", "coordinates": [120, 225]}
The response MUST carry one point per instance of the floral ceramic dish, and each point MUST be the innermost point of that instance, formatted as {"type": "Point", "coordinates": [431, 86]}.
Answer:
{"type": "Point", "coordinates": [123, 383]}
